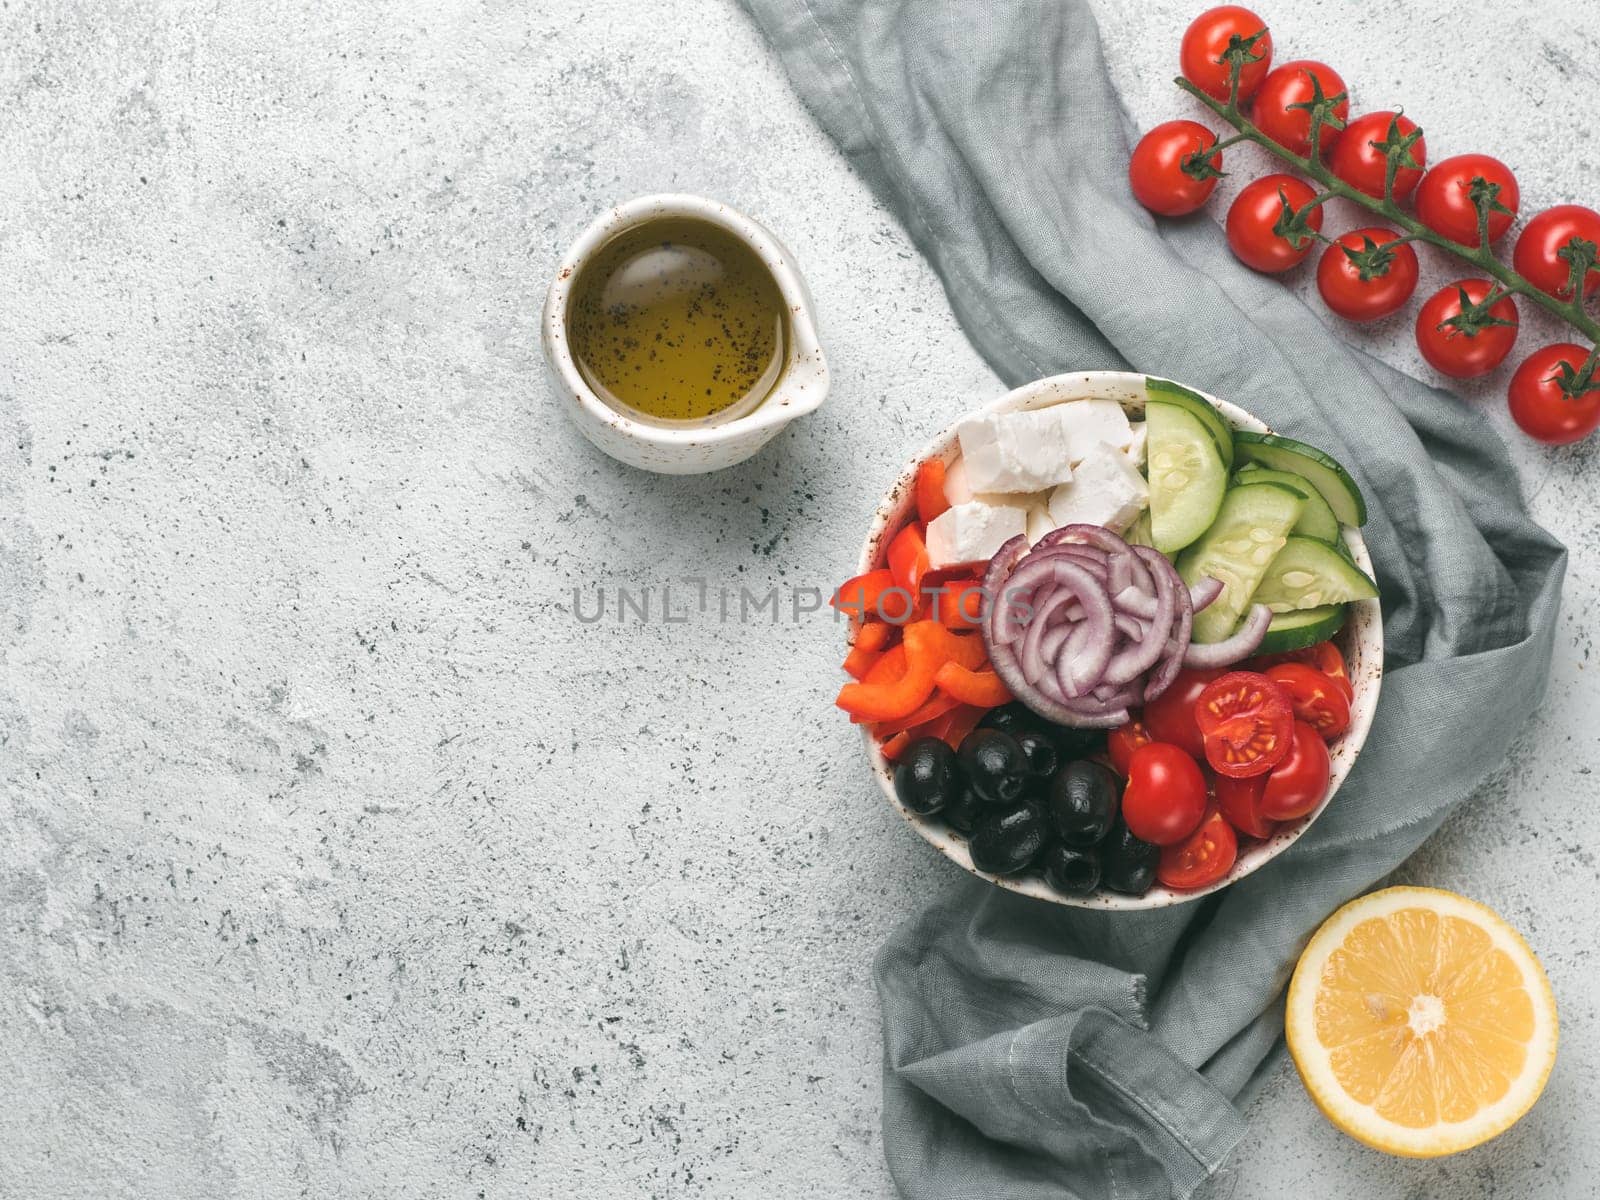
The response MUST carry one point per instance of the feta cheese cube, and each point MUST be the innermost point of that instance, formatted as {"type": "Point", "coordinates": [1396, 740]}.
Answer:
{"type": "Point", "coordinates": [972, 532]}
{"type": "Point", "coordinates": [1106, 489]}
{"type": "Point", "coordinates": [1029, 451]}
{"type": "Point", "coordinates": [1135, 450]}
{"type": "Point", "coordinates": [956, 488]}
{"type": "Point", "coordinates": [1014, 452]}
{"type": "Point", "coordinates": [1039, 522]}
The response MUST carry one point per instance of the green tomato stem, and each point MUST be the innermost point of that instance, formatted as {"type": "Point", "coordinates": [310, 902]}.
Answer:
{"type": "Point", "coordinates": [1479, 256]}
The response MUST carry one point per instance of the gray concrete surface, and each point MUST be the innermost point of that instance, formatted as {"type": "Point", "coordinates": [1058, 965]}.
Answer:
{"type": "Point", "coordinates": [336, 858]}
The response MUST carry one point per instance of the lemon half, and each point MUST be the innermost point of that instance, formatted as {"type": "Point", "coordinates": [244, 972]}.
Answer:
{"type": "Point", "coordinates": [1420, 1022]}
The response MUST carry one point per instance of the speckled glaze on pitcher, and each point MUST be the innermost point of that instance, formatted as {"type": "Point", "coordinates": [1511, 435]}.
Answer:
{"type": "Point", "coordinates": [693, 449]}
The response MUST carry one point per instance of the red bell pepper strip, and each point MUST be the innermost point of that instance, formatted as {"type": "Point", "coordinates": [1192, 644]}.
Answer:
{"type": "Point", "coordinates": [964, 648]}
{"type": "Point", "coordinates": [953, 727]}
{"type": "Point", "coordinates": [923, 644]}
{"type": "Point", "coordinates": [896, 746]}
{"type": "Point", "coordinates": [983, 688]}
{"type": "Point", "coordinates": [930, 490]}
{"type": "Point", "coordinates": [871, 640]}
{"type": "Point", "coordinates": [936, 706]}
{"type": "Point", "coordinates": [860, 596]}
{"type": "Point", "coordinates": [959, 604]}
{"type": "Point", "coordinates": [908, 559]}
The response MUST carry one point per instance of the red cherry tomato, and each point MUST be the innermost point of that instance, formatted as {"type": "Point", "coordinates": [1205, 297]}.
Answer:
{"type": "Point", "coordinates": [1170, 716]}
{"type": "Point", "coordinates": [1246, 721]}
{"type": "Point", "coordinates": [1360, 280]}
{"type": "Point", "coordinates": [1356, 159]}
{"type": "Point", "coordinates": [1315, 699]}
{"type": "Point", "coordinates": [1166, 795]}
{"type": "Point", "coordinates": [1240, 801]}
{"type": "Point", "coordinates": [1284, 87]}
{"type": "Point", "coordinates": [1539, 245]}
{"type": "Point", "coordinates": [1298, 783]}
{"type": "Point", "coordinates": [1170, 172]}
{"type": "Point", "coordinates": [1123, 741]}
{"type": "Point", "coordinates": [1464, 353]}
{"type": "Point", "coordinates": [1253, 222]}
{"type": "Point", "coordinates": [1324, 656]}
{"type": "Point", "coordinates": [1206, 41]}
{"type": "Point", "coordinates": [1540, 403]}
{"type": "Point", "coordinates": [1444, 197]}
{"type": "Point", "coordinates": [1202, 858]}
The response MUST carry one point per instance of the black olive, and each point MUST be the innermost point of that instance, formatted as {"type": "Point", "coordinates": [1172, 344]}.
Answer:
{"type": "Point", "coordinates": [994, 765]}
{"type": "Point", "coordinates": [926, 777]}
{"type": "Point", "coordinates": [1071, 871]}
{"type": "Point", "coordinates": [1013, 718]}
{"type": "Point", "coordinates": [1126, 863]}
{"type": "Point", "coordinates": [1006, 841]}
{"type": "Point", "coordinates": [1039, 750]}
{"type": "Point", "coordinates": [964, 808]}
{"type": "Point", "coordinates": [1077, 743]}
{"type": "Point", "coordinates": [1084, 800]}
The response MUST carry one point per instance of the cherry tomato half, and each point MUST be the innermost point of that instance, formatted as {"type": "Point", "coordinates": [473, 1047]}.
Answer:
{"type": "Point", "coordinates": [1356, 159]}
{"type": "Point", "coordinates": [1284, 87]}
{"type": "Point", "coordinates": [1253, 220]}
{"type": "Point", "coordinates": [1170, 716]}
{"type": "Point", "coordinates": [1460, 353]}
{"type": "Point", "coordinates": [1123, 741]}
{"type": "Point", "coordinates": [1205, 42]}
{"type": "Point", "coordinates": [1539, 245]}
{"type": "Point", "coordinates": [1166, 795]}
{"type": "Point", "coordinates": [1324, 656]}
{"type": "Point", "coordinates": [1541, 405]}
{"type": "Point", "coordinates": [1315, 699]}
{"type": "Point", "coordinates": [1298, 783]}
{"type": "Point", "coordinates": [1240, 801]}
{"type": "Point", "coordinates": [1247, 723]}
{"type": "Point", "coordinates": [1360, 280]}
{"type": "Point", "coordinates": [1202, 858]}
{"type": "Point", "coordinates": [1170, 173]}
{"type": "Point", "coordinates": [1444, 197]}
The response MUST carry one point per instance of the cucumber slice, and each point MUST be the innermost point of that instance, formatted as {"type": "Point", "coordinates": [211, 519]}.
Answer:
{"type": "Point", "coordinates": [1196, 405]}
{"type": "Point", "coordinates": [1295, 630]}
{"type": "Point", "coordinates": [1316, 519]}
{"type": "Point", "coordinates": [1187, 478]}
{"type": "Point", "coordinates": [1251, 527]}
{"type": "Point", "coordinates": [1310, 574]}
{"type": "Point", "coordinates": [1139, 532]}
{"type": "Point", "coordinates": [1322, 470]}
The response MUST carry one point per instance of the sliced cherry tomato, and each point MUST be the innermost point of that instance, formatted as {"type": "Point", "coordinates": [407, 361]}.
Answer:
{"type": "Point", "coordinates": [1356, 159]}
{"type": "Point", "coordinates": [1298, 783]}
{"type": "Point", "coordinates": [1170, 716]}
{"type": "Point", "coordinates": [930, 490]}
{"type": "Point", "coordinates": [1263, 208]}
{"type": "Point", "coordinates": [1240, 801]}
{"type": "Point", "coordinates": [1462, 346]}
{"type": "Point", "coordinates": [1539, 246]}
{"type": "Point", "coordinates": [1445, 201]}
{"type": "Point", "coordinates": [1548, 398]}
{"type": "Point", "coordinates": [908, 558]}
{"type": "Point", "coordinates": [1247, 724]}
{"type": "Point", "coordinates": [1315, 699]}
{"type": "Point", "coordinates": [1363, 276]}
{"type": "Point", "coordinates": [1324, 656]}
{"type": "Point", "coordinates": [1123, 741]}
{"type": "Point", "coordinates": [1203, 53]}
{"type": "Point", "coordinates": [1202, 858]}
{"type": "Point", "coordinates": [1170, 172]}
{"type": "Point", "coordinates": [1276, 110]}
{"type": "Point", "coordinates": [1166, 795]}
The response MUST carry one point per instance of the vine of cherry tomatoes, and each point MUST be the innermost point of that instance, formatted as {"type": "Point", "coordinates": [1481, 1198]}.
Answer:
{"type": "Point", "coordinates": [1465, 204]}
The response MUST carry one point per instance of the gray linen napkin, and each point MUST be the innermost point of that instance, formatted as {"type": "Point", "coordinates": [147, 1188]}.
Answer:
{"type": "Point", "coordinates": [1031, 1050]}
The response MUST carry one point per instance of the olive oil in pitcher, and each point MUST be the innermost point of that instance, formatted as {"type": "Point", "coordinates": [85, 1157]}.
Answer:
{"type": "Point", "coordinates": [678, 321]}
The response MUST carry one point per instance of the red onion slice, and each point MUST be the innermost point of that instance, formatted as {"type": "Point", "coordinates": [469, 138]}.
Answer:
{"type": "Point", "coordinates": [1139, 656]}
{"type": "Point", "coordinates": [1204, 592]}
{"type": "Point", "coordinates": [1241, 644]}
{"type": "Point", "coordinates": [1132, 600]}
{"type": "Point", "coordinates": [1171, 661]}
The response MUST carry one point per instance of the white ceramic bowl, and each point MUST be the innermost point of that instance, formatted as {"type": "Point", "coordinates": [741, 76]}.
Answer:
{"type": "Point", "coordinates": [1361, 641]}
{"type": "Point", "coordinates": [686, 448]}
